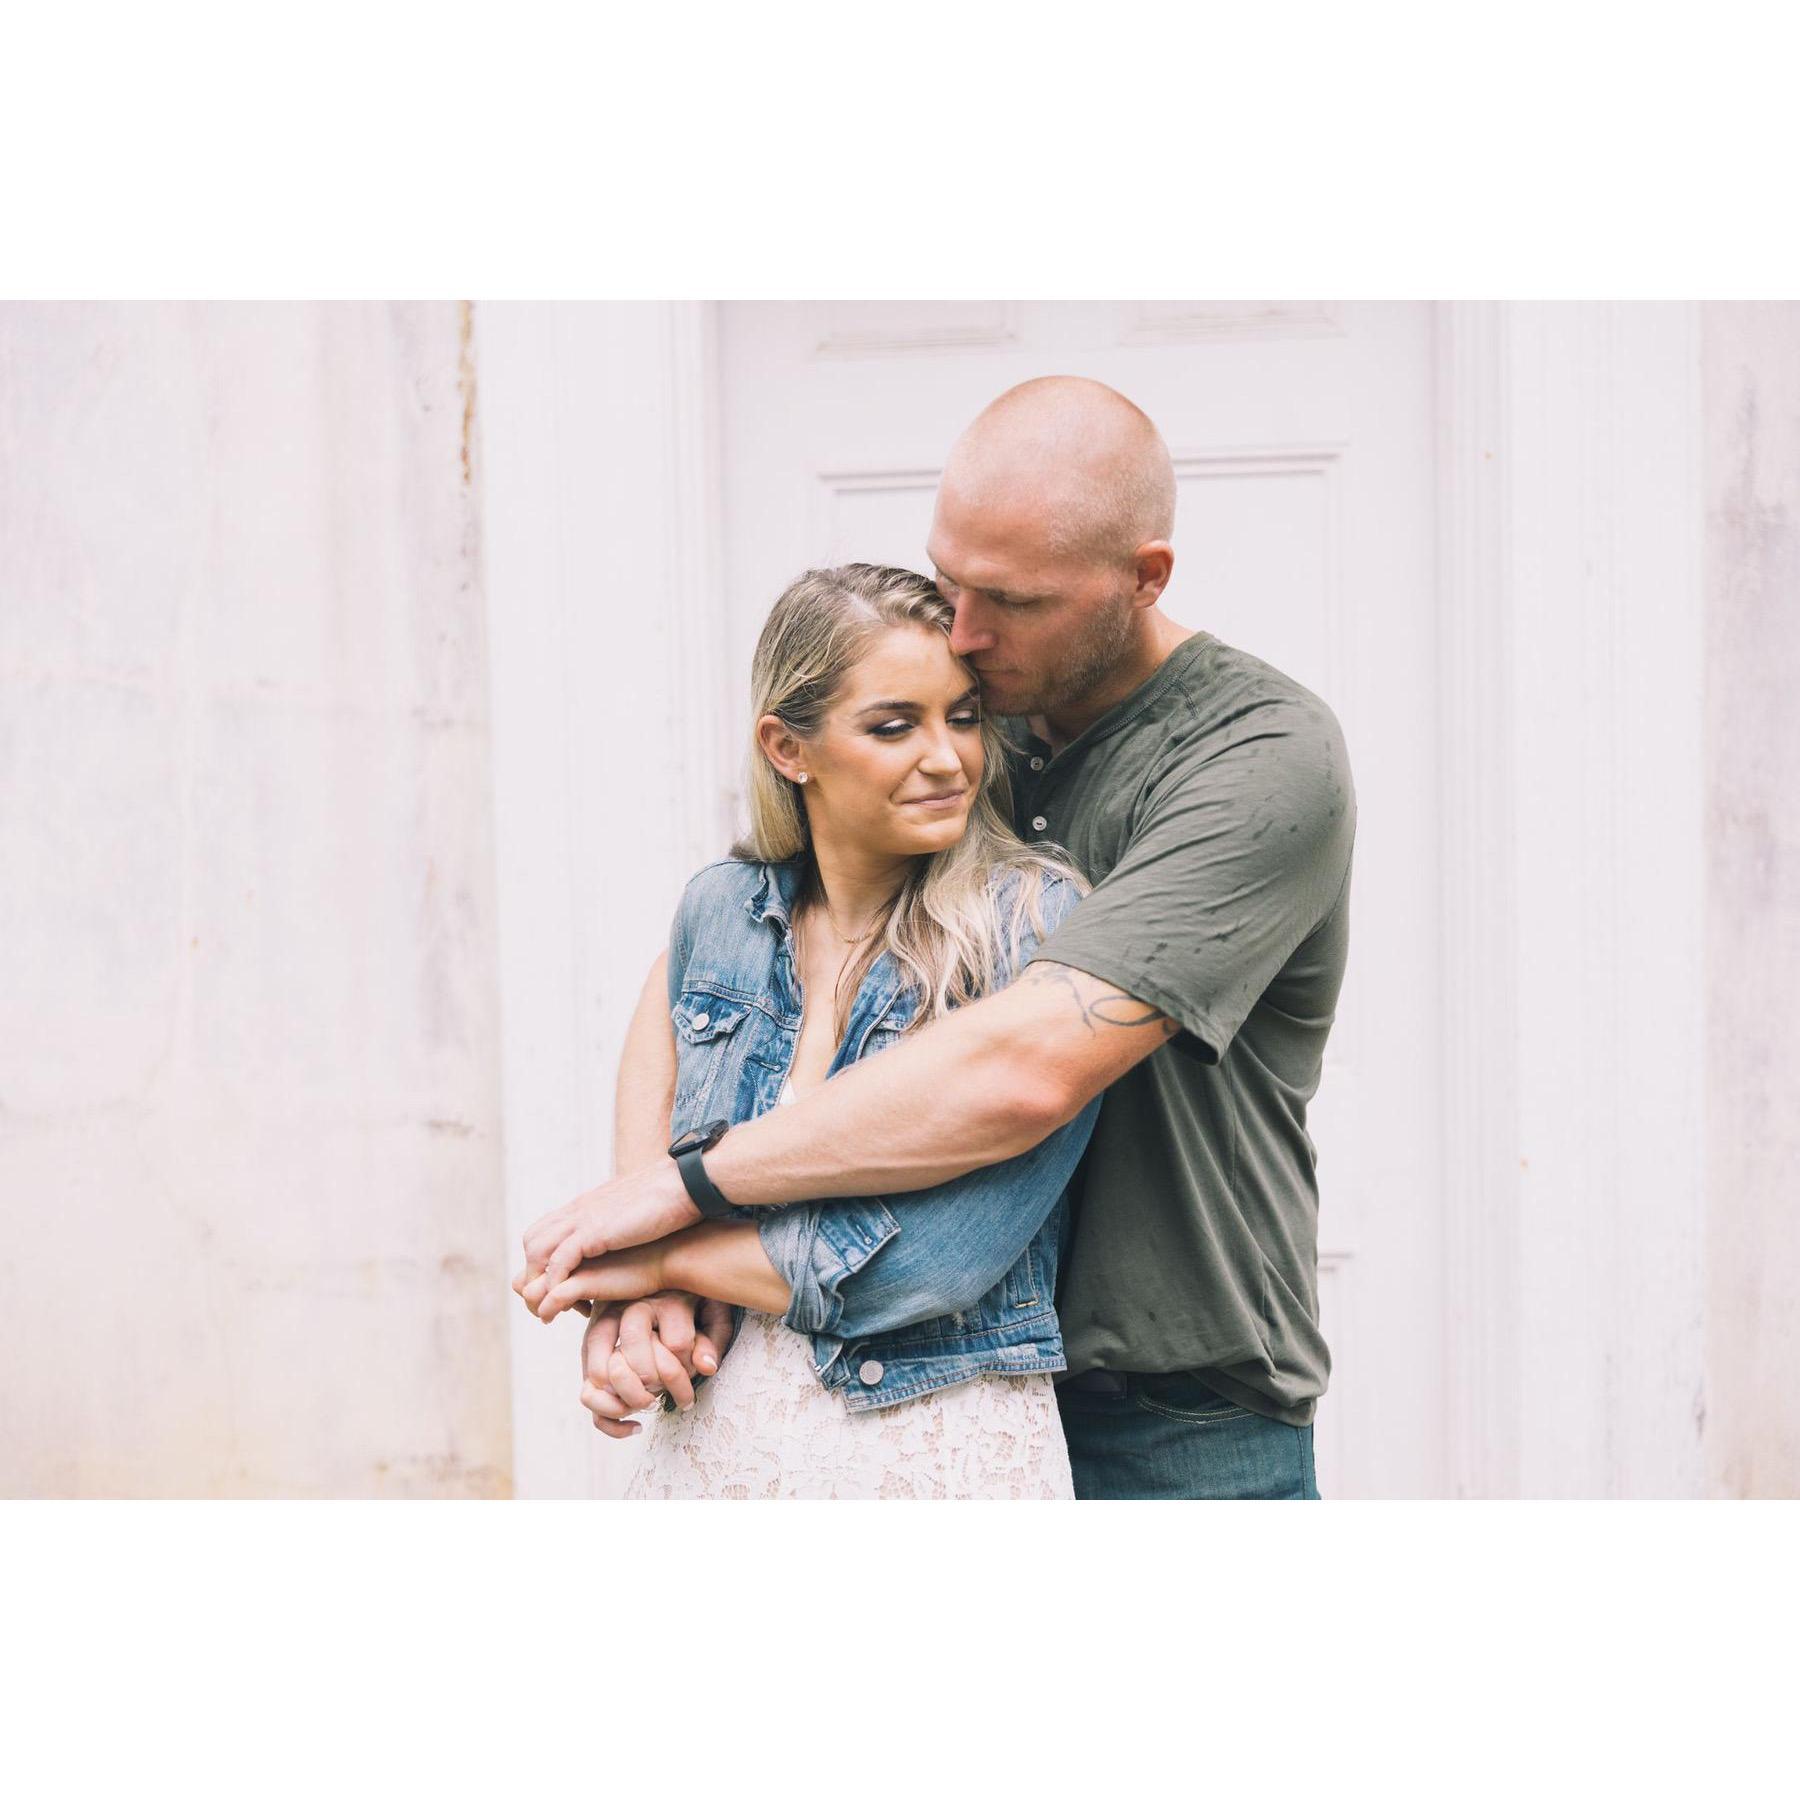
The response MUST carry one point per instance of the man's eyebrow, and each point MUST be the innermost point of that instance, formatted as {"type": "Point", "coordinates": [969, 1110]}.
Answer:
{"type": "Point", "coordinates": [912, 706]}
{"type": "Point", "coordinates": [989, 593]}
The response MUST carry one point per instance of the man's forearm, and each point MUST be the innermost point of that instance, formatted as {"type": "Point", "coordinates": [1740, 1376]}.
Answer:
{"type": "Point", "coordinates": [975, 1087]}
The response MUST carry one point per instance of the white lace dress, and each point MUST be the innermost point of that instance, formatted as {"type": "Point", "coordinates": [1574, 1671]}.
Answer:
{"type": "Point", "coordinates": [764, 1429]}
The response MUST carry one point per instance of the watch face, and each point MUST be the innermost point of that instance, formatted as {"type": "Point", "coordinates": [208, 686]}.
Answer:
{"type": "Point", "coordinates": [702, 1137]}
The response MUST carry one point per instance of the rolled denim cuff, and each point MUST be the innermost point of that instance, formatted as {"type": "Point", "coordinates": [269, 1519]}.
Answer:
{"type": "Point", "coordinates": [817, 1248]}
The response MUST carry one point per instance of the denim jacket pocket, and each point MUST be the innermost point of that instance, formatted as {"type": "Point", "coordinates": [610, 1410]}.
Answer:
{"type": "Point", "coordinates": [704, 1018]}
{"type": "Point", "coordinates": [705, 1027]}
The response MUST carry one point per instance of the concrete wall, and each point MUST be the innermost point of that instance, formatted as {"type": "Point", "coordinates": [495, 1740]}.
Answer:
{"type": "Point", "coordinates": [1752, 385]}
{"type": "Point", "coordinates": [249, 1089]}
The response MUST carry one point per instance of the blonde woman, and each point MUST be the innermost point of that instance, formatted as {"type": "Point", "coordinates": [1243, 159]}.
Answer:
{"type": "Point", "coordinates": [898, 1348]}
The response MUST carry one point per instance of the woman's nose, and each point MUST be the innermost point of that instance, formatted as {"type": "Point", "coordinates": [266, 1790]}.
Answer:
{"type": "Point", "coordinates": [940, 757]}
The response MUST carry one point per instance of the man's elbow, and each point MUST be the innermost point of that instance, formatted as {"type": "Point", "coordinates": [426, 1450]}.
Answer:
{"type": "Point", "coordinates": [1029, 1101]}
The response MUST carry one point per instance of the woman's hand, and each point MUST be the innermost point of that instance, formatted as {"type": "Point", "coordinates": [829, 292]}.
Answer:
{"type": "Point", "coordinates": [624, 1275]}
{"type": "Point", "coordinates": [634, 1351]}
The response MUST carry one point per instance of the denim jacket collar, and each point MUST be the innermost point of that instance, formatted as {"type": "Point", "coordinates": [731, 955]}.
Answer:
{"type": "Point", "coordinates": [773, 900]}
{"type": "Point", "coordinates": [775, 895]}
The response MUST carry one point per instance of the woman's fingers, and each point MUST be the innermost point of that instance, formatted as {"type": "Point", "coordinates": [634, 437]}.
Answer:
{"type": "Point", "coordinates": [716, 1328]}
{"type": "Point", "coordinates": [599, 1281]}
{"type": "Point", "coordinates": [673, 1323]}
{"type": "Point", "coordinates": [608, 1411]}
{"type": "Point", "coordinates": [625, 1381]}
{"type": "Point", "coordinates": [597, 1343]}
{"type": "Point", "coordinates": [631, 1370]}
{"type": "Point", "coordinates": [674, 1377]}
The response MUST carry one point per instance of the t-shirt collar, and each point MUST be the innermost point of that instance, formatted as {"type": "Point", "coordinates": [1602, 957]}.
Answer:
{"type": "Point", "coordinates": [1121, 712]}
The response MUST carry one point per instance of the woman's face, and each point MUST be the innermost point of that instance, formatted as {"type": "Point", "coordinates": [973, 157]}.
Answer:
{"type": "Point", "coordinates": [896, 765]}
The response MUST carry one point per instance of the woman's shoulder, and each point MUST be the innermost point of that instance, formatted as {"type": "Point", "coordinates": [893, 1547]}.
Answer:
{"type": "Point", "coordinates": [714, 905]}
{"type": "Point", "coordinates": [731, 878]}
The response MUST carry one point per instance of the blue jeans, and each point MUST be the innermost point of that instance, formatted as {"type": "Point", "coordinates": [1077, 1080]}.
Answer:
{"type": "Point", "coordinates": [1170, 1437]}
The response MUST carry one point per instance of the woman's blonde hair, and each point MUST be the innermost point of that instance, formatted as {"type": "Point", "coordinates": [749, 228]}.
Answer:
{"type": "Point", "coordinates": [944, 926]}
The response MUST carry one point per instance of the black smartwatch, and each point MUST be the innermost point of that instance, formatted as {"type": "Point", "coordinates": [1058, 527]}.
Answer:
{"type": "Point", "coordinates": [687, 1150]}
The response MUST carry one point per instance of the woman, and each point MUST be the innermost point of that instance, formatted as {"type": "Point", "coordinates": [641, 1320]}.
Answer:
{"type": "Point", "coordinates": [889, 1351]}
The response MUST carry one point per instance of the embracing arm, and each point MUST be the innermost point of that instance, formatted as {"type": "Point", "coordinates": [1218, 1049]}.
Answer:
{"type": "Point", "coordinates": [815, 1266]}
{"type": "Point", "coordinates": [984, 1083]}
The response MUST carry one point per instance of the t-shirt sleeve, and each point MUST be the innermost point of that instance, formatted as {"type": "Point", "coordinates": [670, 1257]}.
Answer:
{"type": "Point", "coordinates": [1237, 852]}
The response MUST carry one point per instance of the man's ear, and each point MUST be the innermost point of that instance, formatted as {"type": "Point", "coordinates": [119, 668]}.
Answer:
{"type": "Point", "coordinates": [780, 746]}
{"type": "Point", "coordinates": [1154, 562]}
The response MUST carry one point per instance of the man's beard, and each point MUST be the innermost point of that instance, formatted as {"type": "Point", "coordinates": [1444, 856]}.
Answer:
{"type": "Point", "coordinates": [1103, 644]}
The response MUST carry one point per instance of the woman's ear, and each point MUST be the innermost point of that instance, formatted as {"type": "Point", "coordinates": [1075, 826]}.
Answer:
{"type": "Point", "coordinates": [781, 747]}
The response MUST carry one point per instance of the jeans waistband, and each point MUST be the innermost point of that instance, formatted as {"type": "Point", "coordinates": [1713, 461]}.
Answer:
{"type": "Point", "coordinates": [1097, 1381]}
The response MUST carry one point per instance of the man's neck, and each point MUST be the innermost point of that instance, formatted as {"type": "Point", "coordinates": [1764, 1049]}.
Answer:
{"type": "Point", "coordinates": [1149, 652]}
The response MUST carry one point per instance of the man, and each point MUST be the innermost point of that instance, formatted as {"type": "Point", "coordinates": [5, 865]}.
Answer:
{"type": "Point", "coordinates": [1208, 799]}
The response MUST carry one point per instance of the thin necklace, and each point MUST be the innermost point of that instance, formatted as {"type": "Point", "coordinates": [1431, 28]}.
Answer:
{"type": "Point", "coordinates": [831, 920]}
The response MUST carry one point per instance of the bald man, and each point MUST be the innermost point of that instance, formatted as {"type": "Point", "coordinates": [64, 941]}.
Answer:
{"type": "Point", "coordinates": [1207, 797]}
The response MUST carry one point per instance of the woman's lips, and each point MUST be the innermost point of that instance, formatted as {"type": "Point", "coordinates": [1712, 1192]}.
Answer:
{"type": "Point", "coordinates": [939, 802]}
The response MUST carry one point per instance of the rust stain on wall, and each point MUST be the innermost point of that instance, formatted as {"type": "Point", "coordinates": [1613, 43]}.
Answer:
{"type": "Point", "coordinates": [465, 381]}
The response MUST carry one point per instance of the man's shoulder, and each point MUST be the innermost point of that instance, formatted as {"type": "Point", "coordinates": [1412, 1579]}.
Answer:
{"type": "Point", "coordinates": [1223, 695]}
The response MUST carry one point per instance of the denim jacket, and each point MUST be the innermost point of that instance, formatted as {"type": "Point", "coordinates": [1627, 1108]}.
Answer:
{"type": "Point", "coordinates": [901, 1293]}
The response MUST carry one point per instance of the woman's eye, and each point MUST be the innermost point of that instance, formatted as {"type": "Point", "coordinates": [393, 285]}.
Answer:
{"type": "Point", "coordinates": [965, 719]}
{"type": "Point", "coordinates": [893, 728]}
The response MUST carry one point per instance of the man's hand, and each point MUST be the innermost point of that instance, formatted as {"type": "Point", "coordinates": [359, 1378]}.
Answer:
{"type": "Point", "coordinates": [632, 1209]}
{"type": "Point", "coordinates": [633, 1352]}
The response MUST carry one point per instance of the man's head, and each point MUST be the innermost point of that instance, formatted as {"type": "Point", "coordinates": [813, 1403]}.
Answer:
{"type": "Point", "coordinates": [1051, 540]}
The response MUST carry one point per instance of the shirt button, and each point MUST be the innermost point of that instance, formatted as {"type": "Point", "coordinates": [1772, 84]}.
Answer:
{"type": "Point", "coordinates": [870, 1373]}
{"type": "Point", "coordinates": [1040, 823]}
{"type": "Point", "coordinates": [1037, 762]}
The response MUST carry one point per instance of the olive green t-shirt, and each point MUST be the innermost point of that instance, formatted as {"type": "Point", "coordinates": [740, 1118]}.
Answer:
{"type": "Point", "coordinates": [1213, 812]}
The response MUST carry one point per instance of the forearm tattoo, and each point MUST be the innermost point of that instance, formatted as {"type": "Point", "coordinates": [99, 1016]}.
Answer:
{"type": "Point", "coordinates": [1098, 1002]}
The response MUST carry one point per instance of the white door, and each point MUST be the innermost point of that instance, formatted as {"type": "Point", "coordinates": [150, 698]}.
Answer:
{"type": "Point", "coordinates": [1302, 442]}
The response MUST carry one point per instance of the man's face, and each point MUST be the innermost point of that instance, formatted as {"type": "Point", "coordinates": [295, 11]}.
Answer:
{"type": "Point", "coordinates": [1039, 628]}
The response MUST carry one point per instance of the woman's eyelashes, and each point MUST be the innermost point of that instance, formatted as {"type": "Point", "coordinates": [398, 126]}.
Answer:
{"type": "Point", "coordinates": [964, 720]}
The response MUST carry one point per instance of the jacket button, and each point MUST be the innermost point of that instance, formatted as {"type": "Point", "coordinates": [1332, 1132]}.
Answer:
{"type": "Point", "coordinates": [870, 1373]}
{"type": "Point", "coordinates": [699, 1021]}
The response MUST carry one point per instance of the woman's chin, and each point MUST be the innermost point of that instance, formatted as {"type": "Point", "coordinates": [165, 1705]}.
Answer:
{"type": "Point", "coordinates": [928, 837]}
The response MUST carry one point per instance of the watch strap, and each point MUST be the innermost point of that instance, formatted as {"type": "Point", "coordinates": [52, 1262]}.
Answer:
{"type": "Point", "coordinates": [712, 1204]}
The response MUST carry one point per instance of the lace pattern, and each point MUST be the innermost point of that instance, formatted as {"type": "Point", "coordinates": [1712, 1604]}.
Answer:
{"type": "Point", "coordinates": [764, 1429]}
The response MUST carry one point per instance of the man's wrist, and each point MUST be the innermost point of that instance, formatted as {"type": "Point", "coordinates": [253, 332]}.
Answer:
{"type": "Point", "coordinates": [683, 1212]}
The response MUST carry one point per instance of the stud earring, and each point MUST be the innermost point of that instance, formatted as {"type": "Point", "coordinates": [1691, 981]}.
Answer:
{"type": "Point", "coordinates": [801, 776]}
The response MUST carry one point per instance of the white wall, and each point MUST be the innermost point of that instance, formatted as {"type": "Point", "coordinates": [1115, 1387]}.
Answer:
{"type": "Point", "coordinates": [249, 1157]}
{"type": "Point", "coordinates": [1573, 885]}
{"type": "Point", "coordinates": [1752, 363]}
